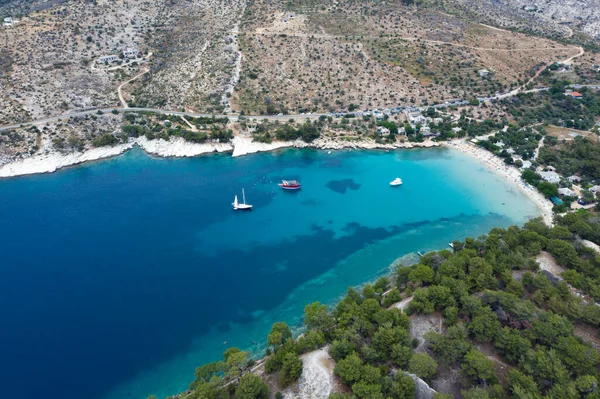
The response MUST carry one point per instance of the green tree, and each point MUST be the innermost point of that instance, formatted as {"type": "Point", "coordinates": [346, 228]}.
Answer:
{"type": "Point", "coordinates": [477, 368]}
{"type": "Point", "coordinates": [450, 347]}
{"type": "Point", "coordinates": [548, 189]}
{"type": "Point", "coordinates": [280, 333]}
{"type": "Point", "coordinates": [392, 297]}
{"type": "Point", "coordinates": [291, 369]}
{"type": "Point", "coordinates": [349, 369]}
{"type": "Point", "coordinates": [385, 338]}
{"type": "Point", "coordinates": [550, 327]}
{"type": "Point", "coordinates": [544, 366]}
{"type": "Point", "coordinates": [586, 384]}
{"type": "Point", "coordinates": [422, 365]}
{"type": "Point", "coordinates": [317, 317]}
{"type": "Point", "coordinates": [365, 390]}
{"type": "Point", "coordinates": [401, 355]}
{"type": "Point", "coordinates": [522, 386]}
{"type": "Point", "coordinates": [422, 274]}
{"type": "Point", "coordinates": [402, 387]}
{"type": "Point", "coordinates": [235, 361]}
{"type": "Point", "coordinates": [252, 387]}
{"type": "Point", "coordinates": [485, 325]}
{"type": "Point", "coordinates": [511, 344]}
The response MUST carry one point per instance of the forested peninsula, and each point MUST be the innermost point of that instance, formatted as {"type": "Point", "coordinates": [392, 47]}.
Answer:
{"type": "Point", "coordinates": [507, 329]}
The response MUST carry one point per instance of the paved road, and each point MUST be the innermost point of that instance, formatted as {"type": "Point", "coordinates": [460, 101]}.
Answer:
{"type": "Point", "coordinates": [235, 117]}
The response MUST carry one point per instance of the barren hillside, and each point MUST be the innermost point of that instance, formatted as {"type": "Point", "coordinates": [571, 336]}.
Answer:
{"type": "Point", "coordinates": [373, 55]}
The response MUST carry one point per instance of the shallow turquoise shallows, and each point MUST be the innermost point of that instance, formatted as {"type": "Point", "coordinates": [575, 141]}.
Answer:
{"type": "Point", "coordinates": [118, 278]}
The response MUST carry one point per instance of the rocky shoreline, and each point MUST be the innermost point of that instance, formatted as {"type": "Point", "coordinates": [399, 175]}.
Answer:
{"type": "Point", "coordinates": [52, 160]}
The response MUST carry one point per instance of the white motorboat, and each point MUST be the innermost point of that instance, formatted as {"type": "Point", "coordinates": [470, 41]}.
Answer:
{"type": "Point", "coordinates": [396, 182]}
{"type": "Point", "coordinates": [243, 206]}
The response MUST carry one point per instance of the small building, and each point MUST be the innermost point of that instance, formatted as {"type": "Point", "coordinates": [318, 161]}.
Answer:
{"type": "Point", "coordinates": [130, 53]}
{"type": "Point", "coordinates": [8, 21]}
{"type": "Point", "coordinates": [550, 177]}
{"type": "Point", "coordinates": [416, 118]}
{"type": "Point", "coordinates": [574, 94]}
{"type": "Point", "coordinates": [108, 58]}
{"type": "Point", "coordinates": [457, 129]}
{"type": "Point", "coordinates": [484, 73]}
{"type": "Point", "coordinates": [567, 191]}
{"type": "Point", "coordinates": [574, 179]}
{"type": "Point", "coordinates": [383, 130]}
{"type": "Point", "coordinates": [526, 165]}
{"type": "Point", "coordinates": [510, 151]}
{"type": "Point", "coordinates": [425, 131]}
{"type": "Point", "coordinates": [595, 189]}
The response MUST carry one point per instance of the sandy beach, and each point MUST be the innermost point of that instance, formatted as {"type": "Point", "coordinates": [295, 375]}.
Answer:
{"type": "Point", "coordinates": [511, 173]}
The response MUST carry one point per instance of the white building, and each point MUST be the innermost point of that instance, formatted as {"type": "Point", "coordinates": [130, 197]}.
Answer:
{"type": "Point", "coordinates": [567, 191]}
{"type": "Point", "coordinates": [383, 130]}
{"type": "Point", "coordinates": [484, 73]}
{"type": "Point", "coordinates": [9, 21]}
{"type": "Point", "coordinates": [550, 177]}
{"type": "Point", "coordinates": [574, 179]}
{"type": "Point", "coordinates": [526, 165]}
{"type": "Point", "coordinates": [416, 118]}
{"type": "Point", "coordinates": [595, 189]}
{"type": "Point", "coordinates": [108, 58]}
{"type": "Point", "coordinates": [457, 129]}
{"type": "Point", "coordinates": [130, 53]}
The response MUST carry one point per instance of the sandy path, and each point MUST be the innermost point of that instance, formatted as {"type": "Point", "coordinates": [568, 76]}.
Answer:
{"type": "Point", "coordinates": [120, 88]}
{"type": "Point", "coordinates": [316, 381]}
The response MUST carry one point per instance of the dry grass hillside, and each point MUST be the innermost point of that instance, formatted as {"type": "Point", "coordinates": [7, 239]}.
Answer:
{"type": "Point", "coordinates": [196, 57]}
{"type": "Point", "coordinates": [326, 57]}
{"type": "Point", "coordinates": [47, 60]}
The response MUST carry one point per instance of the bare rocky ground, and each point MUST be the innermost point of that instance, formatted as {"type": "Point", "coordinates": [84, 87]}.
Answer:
{"type": "Point", "coordinates": [373, 55]}
{"type": "Point", "coordinates": [533, 16]}
{"type": "Point", "coordinates": [195, 57]}
{"type": "Point", "coordinates": [47, 60]}
{"type": "Point", "coordinates": [73, 134]}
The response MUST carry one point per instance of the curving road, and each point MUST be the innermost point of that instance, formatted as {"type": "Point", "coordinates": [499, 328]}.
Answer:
{"type": "Point", "coordinates": [236, 117]}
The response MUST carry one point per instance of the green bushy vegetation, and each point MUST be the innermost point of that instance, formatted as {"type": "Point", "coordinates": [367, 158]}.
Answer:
{"type": "Point", "coordinates": [555, 108]}
{"type": "Point", "coordinates": [488, 291]}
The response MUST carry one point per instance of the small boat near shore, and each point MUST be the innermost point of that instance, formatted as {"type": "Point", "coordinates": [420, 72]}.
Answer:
{"type": "Point", "coordinates": [241, 206]}
{"type": "Point", "coordinates": [396, 182]}
{"type": "Point", "coordinates": [290, 185]}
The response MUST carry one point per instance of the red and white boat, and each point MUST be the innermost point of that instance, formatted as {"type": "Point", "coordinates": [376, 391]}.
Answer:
{"type": "Point", "coordinates": [289, 185]}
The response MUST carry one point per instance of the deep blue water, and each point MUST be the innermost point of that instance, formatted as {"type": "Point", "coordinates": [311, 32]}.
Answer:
{"type": "Point", "coordinates": [117, 278]}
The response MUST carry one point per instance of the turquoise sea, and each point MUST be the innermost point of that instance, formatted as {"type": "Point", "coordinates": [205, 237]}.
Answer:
{"type": "Point", "coordinates": [118, 278]}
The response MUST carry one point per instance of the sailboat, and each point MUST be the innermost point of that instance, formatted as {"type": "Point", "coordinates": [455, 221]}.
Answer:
{"type": "Point", "coordinates": [243, 206]}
